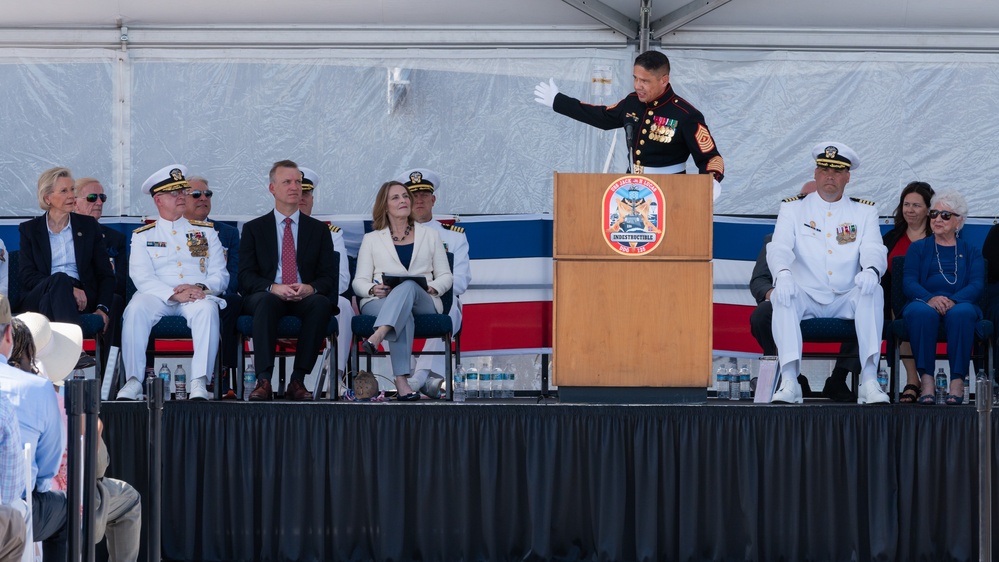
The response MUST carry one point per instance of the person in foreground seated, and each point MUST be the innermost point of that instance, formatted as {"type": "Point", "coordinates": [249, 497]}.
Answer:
{"type": "Point", "coordinates": [40, 424]}
{"type": "Point", "coordinates": [199, 206]}
{"type": "Point", "coordinates": [310, 181]}
{"type": "Point", "coordinates": [286, 268]}
{"type": "Point", "coordinates": [911, 224]}
{"type": "Point", "coordinates": [47, 349]}
{"type": "Point", "coordinates": [761, 326]}
{"type": "Point", "coordinates": [423, 184]}
{"type": "Point", "coordinates": [64, 267]}
{"type": "Point", "coordinates": [399, 246]}
{"type": "Point", "coordinates": [177, 266]}
{"type": "Point", "coordinates": [827, 258]}
{"type": "Point", "coordinates": [943, 279]}
{"type": "Point", "coordinates": [13, 526]}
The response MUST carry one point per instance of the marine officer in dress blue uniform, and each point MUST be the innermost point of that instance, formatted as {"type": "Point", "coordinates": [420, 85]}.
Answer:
{"type": "Point", "coordinates": [178, 266]}
{"type": "Point", "coordinates": [667, 128]}
{"type": "Point", "coordinates": [310, 181]}
{"type": "Point", "coordinates": [827, 258]}
{"type": "Point", "coordinates": [423, 184]}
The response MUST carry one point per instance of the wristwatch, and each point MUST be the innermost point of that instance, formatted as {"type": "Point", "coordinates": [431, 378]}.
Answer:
{"type": "Point", "coordinates": [201, 286]}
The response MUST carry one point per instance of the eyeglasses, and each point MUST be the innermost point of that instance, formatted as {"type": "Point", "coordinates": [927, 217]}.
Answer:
{"type": "Point", "coordinates": [175, 193]}
{"type": "Point", "coordinates": [197, 194]}
{"type": "Point", "coordinates": [93, 197]}
{"type": "Point", "coordinates": [945, 215]}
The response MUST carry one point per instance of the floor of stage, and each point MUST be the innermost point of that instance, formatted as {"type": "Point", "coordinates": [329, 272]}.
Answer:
{"type": "Point", "coordinates": [518, 480]}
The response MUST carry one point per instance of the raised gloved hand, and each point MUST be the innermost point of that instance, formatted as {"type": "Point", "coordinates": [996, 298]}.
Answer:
{"type": "Point", "coordinates": [867, 281]}
{"type": "Point", "coordinates": [784, 289]}
{"type": "Point", "coordinates": [545, 93]}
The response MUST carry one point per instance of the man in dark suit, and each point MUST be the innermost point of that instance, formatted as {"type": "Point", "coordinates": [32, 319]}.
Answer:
{"type": "Point", "coordinates": [81, 279]}
{"type": "Point", "coordinates": [199, 205]}
{"type": "Point", "coordinates": [286, 268]}
{"type": "Point", "coordinates": [90, 199]}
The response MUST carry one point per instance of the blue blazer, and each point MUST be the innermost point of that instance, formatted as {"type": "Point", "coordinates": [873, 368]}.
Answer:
{"type": "Point", "coordinates": [229, 237]}
{"type": "Point", "coordinates": [921, 259]}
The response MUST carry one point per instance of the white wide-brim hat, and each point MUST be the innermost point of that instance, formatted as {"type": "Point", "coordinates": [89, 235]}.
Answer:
{"type": "Point", "coordinates": [57, 345]}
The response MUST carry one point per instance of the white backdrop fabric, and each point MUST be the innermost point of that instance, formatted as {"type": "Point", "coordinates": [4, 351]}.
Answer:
{"type": "Point", "coordinates": [470, 115]}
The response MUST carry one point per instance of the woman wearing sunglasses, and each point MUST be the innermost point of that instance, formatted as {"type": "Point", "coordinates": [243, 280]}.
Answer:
{"type": "Point", "coordinates": [943, 278]}
{"type": "Point", "coordinates": [64, 265]}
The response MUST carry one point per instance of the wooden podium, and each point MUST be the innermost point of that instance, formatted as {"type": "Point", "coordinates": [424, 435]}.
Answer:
{"type": "Point", "coordinates": [632, 327]}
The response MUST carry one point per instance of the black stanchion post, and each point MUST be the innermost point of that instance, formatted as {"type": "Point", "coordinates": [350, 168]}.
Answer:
{"type": "Point", "coordinates": [91, 409]}
{"type": "Point", "coordinates": [983, 401]}
{"type": "Point", "coordinates": [74, 465]}
{"type": "Point", "coordinates": [154, 401]}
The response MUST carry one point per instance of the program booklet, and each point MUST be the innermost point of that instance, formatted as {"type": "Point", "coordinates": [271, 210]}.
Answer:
{"type": "Point", "coordinates": [393, 280]}
{"type": "Point", "coordinates": [766, 381]}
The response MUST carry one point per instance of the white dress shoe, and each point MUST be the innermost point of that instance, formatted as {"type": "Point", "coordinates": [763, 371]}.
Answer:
{"type": "Point", "coordinates": [131, 391]}
{"type": "Point", "coordinates": [789, 391]}
{"type": "Point", "coordinates": [199, 389]}
{"type": "Point", "coordinates": [870, 393]}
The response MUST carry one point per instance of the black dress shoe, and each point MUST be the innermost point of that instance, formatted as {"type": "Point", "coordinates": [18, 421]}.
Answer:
{"type": "Point", "coordinates": [806, 390]}
{"type": "Point", "coordinates": [836, 390]}
{"type": "Point", "coordinates": [411, 397]}
{"type": "Point", "coordinates": [85, 362]}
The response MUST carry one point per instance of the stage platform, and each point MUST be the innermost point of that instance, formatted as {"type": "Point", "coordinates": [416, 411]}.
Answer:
{"type": "Point", "coordinates": [526, 481]}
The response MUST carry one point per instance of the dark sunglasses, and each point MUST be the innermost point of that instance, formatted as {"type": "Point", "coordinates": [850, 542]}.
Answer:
{"type": "Point", "coordinates": [93, 197]}
{"type": "Point", "coordinates": [197, 194]}
{"type": "Point", "coordinates": [945, 215]}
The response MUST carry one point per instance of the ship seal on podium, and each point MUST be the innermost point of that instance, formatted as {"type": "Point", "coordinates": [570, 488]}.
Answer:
{"type": "Point", "coordinates": [633, 219]}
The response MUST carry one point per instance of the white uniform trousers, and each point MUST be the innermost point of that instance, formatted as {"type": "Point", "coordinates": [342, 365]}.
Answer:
{"type": "Point", "coordinates": [427, 363]}
{"type": "Point", "coordinates": [145, 310]}
{"type": "Point", "coordinates": [867, 312]}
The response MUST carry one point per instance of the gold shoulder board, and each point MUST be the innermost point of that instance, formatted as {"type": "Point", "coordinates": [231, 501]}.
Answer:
{"type": "Point", "coordinates": [334, 228]}
{"type": "Point", "coordinates": [864, 201]}
{"type": "Point", "coordinates": [456, 228]}
{"type": "Point", "coordinates": [202, 223]}
{"type": "Point", "coordinates": [144, 228]}
{"type": "Point", "coordinates": [795, 198]}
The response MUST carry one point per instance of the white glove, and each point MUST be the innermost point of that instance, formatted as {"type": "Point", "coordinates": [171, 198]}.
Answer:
{"type": "Point", "coordinates": [545, 93]}
{"type": "Point", "coordinates": [867, 281]}
{"type": "Point", "coordinates": [715, 189]}
{"type": "Point", "coordinates": [784, 289]}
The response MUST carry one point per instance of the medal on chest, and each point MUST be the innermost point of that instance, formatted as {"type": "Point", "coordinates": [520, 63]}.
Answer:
{"type": "Point", "coordinates": [197, 244]}
{"type": "Point", "coordinates": [846, 233]}
{"type": "Point", "coordinates": [662, 129]}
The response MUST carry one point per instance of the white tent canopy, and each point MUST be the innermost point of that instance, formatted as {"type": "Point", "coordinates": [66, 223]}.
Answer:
{"type": "Point", "coordinates": [360, 90]}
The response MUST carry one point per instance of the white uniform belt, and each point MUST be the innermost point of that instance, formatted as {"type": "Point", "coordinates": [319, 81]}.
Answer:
{"type": "Point", "coordinates": [674, 169]}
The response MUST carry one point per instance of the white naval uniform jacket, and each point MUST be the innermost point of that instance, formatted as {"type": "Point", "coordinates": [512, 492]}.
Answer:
{"type": "Point", "coordinates": [824, 245]}
{"type": "Point", "coordinates": [161, 259]}
{"type": "Point", "coordinates": [336, 234]}
{"type": "Point", "coordinates": [456, 243]}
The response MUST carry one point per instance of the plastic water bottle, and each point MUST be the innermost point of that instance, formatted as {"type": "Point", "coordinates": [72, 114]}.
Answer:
{"type": "Point", "coordinates": [485, 383]}
{"type": "Point", "coordinates": [723, 383]}
{"type": "Point", "coordinates": [983, 387]}
{"type": "Point", "coordinates": [499, 383]}
{"type": "Point", "coordinates": [744, 380]}
{"type": "Point", "coordinates": [941, 384]}
{"type": "Point", "coordinates": [733, 383]}
{"type": "Point", "coordinates": [883, 379]}
{"type": "Point", "coordinates": [458, 390]}
{"type": "Point", "coordinates": [967, 391]}
{"type": "Point", "coordinates": [180, 382]}
{"type": "Point", "coordinates": [472, 382]}
{"type": "Point", "coordinates": [166, 376]}
{"type": "Point", "coordinates": [249, 380]}
{"type": "Point", "coordinates": [511, 381]}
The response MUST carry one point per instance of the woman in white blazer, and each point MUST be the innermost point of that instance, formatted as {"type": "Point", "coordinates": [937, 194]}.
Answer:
{"type": "Point", "coordinates": [399, 246]}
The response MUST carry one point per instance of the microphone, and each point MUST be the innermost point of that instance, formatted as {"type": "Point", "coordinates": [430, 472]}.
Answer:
{"type": "Point", "coordinates": [629, 136]}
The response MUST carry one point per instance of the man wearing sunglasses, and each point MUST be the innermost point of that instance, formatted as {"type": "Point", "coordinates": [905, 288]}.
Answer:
{"type": "Point", "coordinates": [199, 206]}
{"type": "Point", "coordinates": [827, 257]}
{"type": "Point", "coordinates": [90, 199]}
